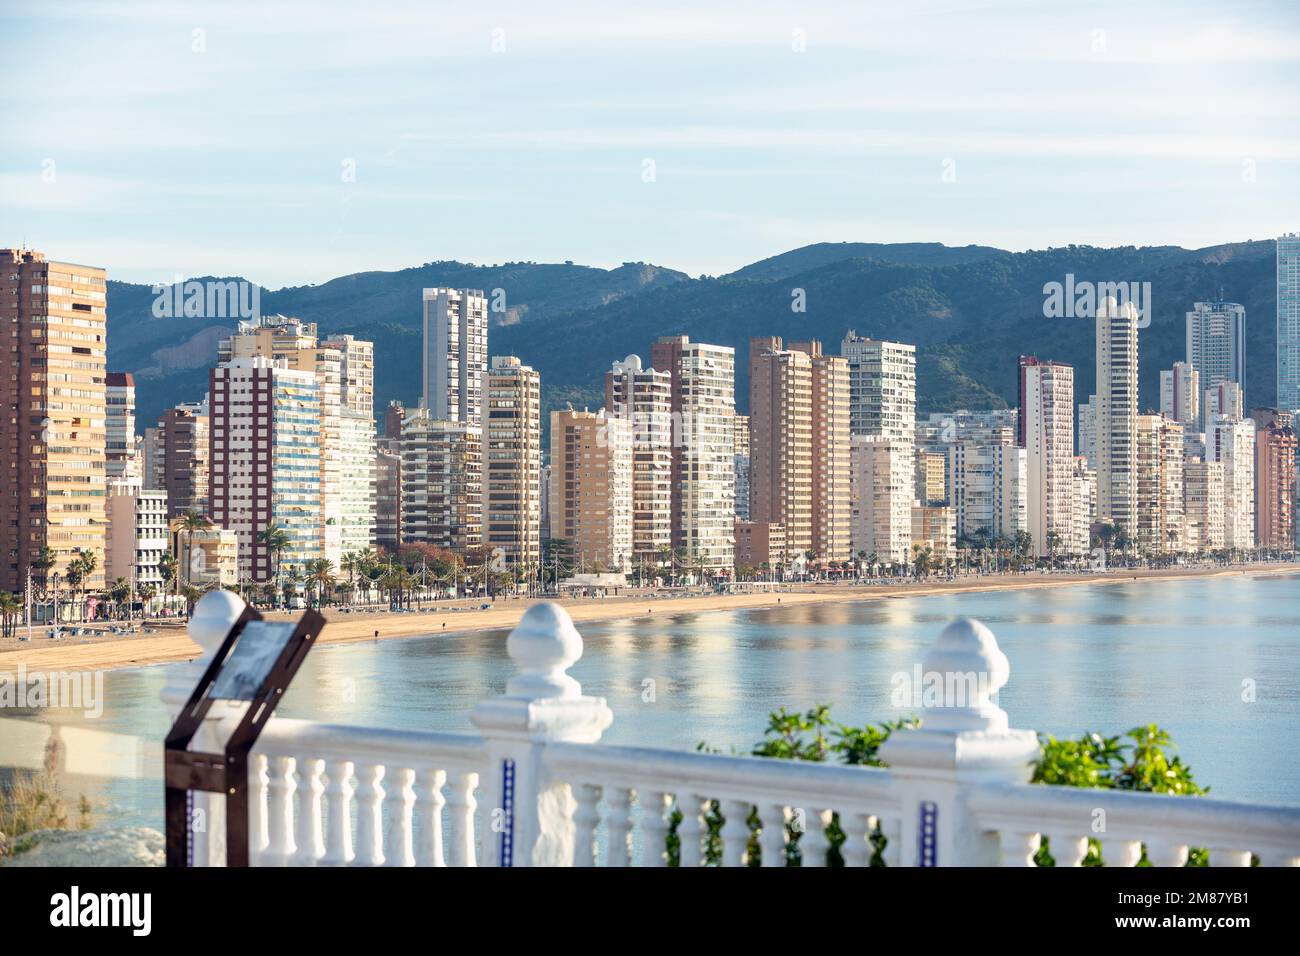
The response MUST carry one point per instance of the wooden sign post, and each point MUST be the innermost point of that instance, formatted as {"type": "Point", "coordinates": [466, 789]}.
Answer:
{"type": "Point", "coordinates": [255, 663]}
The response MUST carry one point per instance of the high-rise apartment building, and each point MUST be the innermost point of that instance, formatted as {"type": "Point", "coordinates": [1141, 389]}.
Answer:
{"type": "Point", "coordinates": [987, 487]}
{"type": "Point", "coordinates": [264, 454]}
{"type": "Point", "coordinates": [52, 415]}
{"type": "Point", "coordinates": [1180, 394]}
{"type": "Point", "coordinates": [512, 464]}
{"type": "Point", "coordinates": [356, 373]}
{"type": "Point", "coordinates": [1202, 505]}
{"type": "Point", "coordinates": [644, 398]}
{"type": "Point", "coordinates": [1216, 342]}
{"type": "Point", "coordinates": [1231, 442]}
{"type": "Point", "coordinates": [178, 450]}
{"type": "Point", "coordinates": [1159, 484]}
{"type": "Point", "coordinates": [799, 445]}
{"type": "Point", "coordinates": [137, 534]}
{"type": "Point", "coordinates": [1046, 432]}
{"type": "Point", "coordinates": [881, 483]}
{"type": "Point", "coordinates": [931, 477]}
{"type": "Point", "coordinates": [388, 493]}
{"type": "Point", "coordinates": [1224, 399]}
{"type": "Point", "coordinates": [1117, 403]}
{"type": "Point", "coordinates": [1083, 507]}
{"type": "Point", "coordinates": [442, 482]}
{"type": "Point", "coordinates": [120, 458]}
{"type": "Point", "coordinates": [1288, 321]}
{"type": "Point", "coordinates": [831, 466]}
{"type": "Point", "coordinates": [780, 440]}
{"type": "Point", "coordinates": [703, 476]}
{"type": "Point", "coordinates": [591, 489]}
{"type": "Point", "coordinates": [1275, 478]}
{"type": "Point", "coordinates": [742, 465]}
{"type": "Point", "coordinates": [1087, 431]}
{"type": "Point", "coordinates": [344, 371]}
{"type": "Point", "coordinates": [455, 354]}
{"type": "Point", "coordinates": [882, 387]}
{"type": "Point", "coordinates": [882, 405]}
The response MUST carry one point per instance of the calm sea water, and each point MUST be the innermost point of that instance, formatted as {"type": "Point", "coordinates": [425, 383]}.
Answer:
{"type": "Point", "coordinates": [1097, 657]}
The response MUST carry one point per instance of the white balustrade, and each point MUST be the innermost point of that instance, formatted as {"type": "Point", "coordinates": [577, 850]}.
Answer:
{"type": "Point", "coordinates": [955, 792]}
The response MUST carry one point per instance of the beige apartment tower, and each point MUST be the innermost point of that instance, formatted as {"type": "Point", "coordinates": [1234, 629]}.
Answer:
{"type": "Point", "coordinates": [512, 464]}
{"type": "Point", "coordinates": [591, 489]}
{"type": "Point", "coordinates": [52, 415]}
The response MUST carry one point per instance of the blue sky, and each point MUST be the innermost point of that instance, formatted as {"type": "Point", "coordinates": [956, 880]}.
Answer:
{"type": "Point", "coordinates": [492, 132]}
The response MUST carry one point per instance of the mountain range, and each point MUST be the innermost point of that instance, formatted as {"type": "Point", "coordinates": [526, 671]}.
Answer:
{"type": "Point", "coordinates": [970, 310]}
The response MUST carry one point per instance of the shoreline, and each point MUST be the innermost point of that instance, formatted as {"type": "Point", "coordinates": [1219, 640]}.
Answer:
{"type": "Point", "coordinates": [117, 651]}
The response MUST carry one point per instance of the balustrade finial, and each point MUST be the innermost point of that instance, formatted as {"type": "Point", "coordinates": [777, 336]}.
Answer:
{"type": "Point", "coordinates": [972, 668]}
{"type": "Point", "coordinates": [214, 615]}
{"type": "Point", "coordinates": [543, 646]}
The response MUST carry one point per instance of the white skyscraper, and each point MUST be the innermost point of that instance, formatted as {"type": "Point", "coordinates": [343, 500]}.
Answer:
{"type": "Point", "coordinates": [1117, 405]}
{"type": "Point", "coordinates": [455, 354]}
{"type": "Point", "coordinates": [1232, 443]}
{"type": "Point", "coordinates": [1047, 435]}
{"type": "Point", "coordinates": [1180, 394]}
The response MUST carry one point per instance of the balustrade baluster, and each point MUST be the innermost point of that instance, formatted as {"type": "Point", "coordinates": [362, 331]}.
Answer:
{"type": "Point", "coordinates": [586, 817]}
{"type": "Point", "coordinates": [735, 832]}
{"type": "Point", "coordinates": [1018, 847]}
{"type": "Point", "coordinates": [857, 828]}
{"type": "Point", "coordinates": [338, 799]}
{"type": "Point", "coordinates": [771, 838]}
{"type": "Point", "coordinates": [892, 829]}
{"type": "Point", "coordinates": [257, 784]}
{"type": "Point", "coordinates": [311, 844]}
{"type": "Point", "coordinates": [813, 844]}
{"type": "Point", "coordinates": [431, 801]}
{"type": "Point", "coordinates": [654, 827]}
{"type": "Point", "coordinates": [690, 832]}
{"type": "Point", "coordinates": [462, 804]}
{"type": "Point", "coordinates": [1121, 852]}
{"type": "Point", "coordinates": [1163, 852]}
{"type": "Point", "coordinates": [279, 819]}
{"type": "Point", "coordinates": [400, 803]}
{"type": "Point", "coordinates": [1225, 856]}
{"type": "Point", "coordinates": [1067, 850]}
{"type": "Point", "coordinates": [370, 797]}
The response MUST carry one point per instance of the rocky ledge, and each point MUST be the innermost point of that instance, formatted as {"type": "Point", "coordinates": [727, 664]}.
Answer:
{"type": "Point", "coordinates": [129, 846]}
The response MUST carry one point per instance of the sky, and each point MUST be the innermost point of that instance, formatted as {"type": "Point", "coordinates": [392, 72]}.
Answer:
{"type": "Point", "coordinates": [294, 142]}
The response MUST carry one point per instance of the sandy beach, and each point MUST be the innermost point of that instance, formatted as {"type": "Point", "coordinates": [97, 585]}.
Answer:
{"type": "Point", "coordinates": [171, 643]}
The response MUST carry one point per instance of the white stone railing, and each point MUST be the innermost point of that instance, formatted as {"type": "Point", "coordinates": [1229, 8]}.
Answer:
{"type": "Point", "coordinates": [412, 796]}
{"type": "Point", "coordinates": [536, 788]}
{"type": "Point", "coordinates": [1127, 823]}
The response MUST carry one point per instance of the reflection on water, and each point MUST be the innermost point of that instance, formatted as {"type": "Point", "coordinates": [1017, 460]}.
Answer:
{"type": "Point", "coordinates": [1103, 657]}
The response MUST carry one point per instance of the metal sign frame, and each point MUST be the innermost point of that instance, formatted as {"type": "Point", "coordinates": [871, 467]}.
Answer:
{"type": "Point", "coordinates": [186, 770]}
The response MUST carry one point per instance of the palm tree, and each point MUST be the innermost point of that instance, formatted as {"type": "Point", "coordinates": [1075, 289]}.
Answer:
{"type": "Point", "coordinates": [1053, 542]}
{"type": "Point", "coordinates": [147, 593]}
{"type": "Point", "coordinates": [319, 573]}
{"type": "Point", "coordinates": [10, 610]}
{"type": "Point", "coordinates": [41, 564]}
{"type": "Point", "coordinates": [191, 522]}
{"type": "Point", "coordinates": [277, 541]}
{"type": "Point", "coordinates": [120, 592]}
{"type": "Point", "coordinates": [80, 568]}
